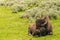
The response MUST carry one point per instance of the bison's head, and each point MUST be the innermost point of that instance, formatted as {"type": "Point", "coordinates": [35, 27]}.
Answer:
{"type": "Point", "coordinates": [40, 23]}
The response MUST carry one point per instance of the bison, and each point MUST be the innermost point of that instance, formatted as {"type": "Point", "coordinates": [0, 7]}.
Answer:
{"type": "Point", "coordinates": [41, 27]}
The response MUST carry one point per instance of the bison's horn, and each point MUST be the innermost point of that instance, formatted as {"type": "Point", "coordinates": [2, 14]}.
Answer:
{"type": "Point", "coordinates": [44, 23]}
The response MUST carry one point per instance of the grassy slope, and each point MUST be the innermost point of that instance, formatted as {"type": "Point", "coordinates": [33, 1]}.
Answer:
{"type": "Point", "coordinates": [14, 28]}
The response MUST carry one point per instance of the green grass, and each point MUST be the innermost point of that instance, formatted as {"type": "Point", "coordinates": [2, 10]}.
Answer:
{"type": "Point", "coordinates": [14, 28]}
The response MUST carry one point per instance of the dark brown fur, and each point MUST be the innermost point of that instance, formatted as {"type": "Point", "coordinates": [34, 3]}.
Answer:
{"type": "Point", "coordinates": [41, 27]}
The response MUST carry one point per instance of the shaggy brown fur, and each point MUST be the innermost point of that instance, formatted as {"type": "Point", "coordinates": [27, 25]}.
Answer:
{"type": "Point", "coordinates": [41, 27]}
{"type": "Point", "coordinates": [32, 29]}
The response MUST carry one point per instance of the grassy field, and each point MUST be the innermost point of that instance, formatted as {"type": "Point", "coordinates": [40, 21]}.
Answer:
{"type": "Point", "coordinates": [14, 28]}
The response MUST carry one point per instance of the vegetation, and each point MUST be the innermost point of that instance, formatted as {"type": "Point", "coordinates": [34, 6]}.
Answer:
{"type": "Point", "coordinates": [13, 27]}
{"type": "Point", "coordinates": [35, 8]}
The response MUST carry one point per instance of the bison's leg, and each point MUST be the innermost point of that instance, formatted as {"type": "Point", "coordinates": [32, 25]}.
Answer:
{"type": "Point", "coordinates": [33, 34]}
{"type": "Point", "coordinates": [38, 32]}
{"type": "Point", "coordinates": [29, 31]}
{"type": "Point", "coordinates": [50, 32]}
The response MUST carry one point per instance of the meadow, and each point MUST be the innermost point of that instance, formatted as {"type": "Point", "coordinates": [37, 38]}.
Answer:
{"type": "Point", "coordinates": [12, 27]}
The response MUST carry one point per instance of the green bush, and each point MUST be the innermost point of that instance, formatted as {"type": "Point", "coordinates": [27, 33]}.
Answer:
{"type": "Point", "coordinates": [35, 8]}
